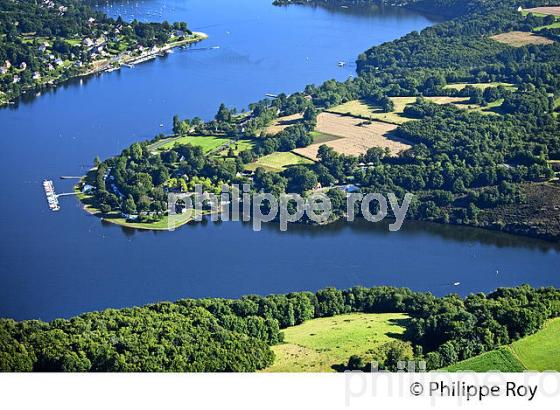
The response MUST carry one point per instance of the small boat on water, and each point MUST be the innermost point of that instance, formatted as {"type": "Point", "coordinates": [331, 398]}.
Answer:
{"type": "Point", "coordinates": [456, 283]}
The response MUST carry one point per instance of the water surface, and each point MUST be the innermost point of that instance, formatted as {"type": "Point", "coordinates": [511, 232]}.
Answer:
{"type": "Point", "coordinates": [65, 263]}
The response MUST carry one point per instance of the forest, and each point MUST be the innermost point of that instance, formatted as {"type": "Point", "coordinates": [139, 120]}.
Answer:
{"type": "Point", "coordinates": [224, 335]}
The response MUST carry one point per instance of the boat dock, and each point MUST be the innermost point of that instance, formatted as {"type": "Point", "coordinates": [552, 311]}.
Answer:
{"type": "Point", "coordinates": [52, 198]}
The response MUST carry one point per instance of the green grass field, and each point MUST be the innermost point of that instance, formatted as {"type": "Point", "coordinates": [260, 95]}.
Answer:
{"type": "Point", "coordinates": [539, 352]}
{"type": "Point", "coordinates": [322, 138]}
{"type": "Point", "coordinates": [500, 360]}
{"type": "Point", "coordinates": [207, 143]}
{"type": "Point", "coordinates": [278, 161]}
{"type": "Point", "coordinates": [553, 25]}
{"type": "Point", "coordinates": [319, 344]}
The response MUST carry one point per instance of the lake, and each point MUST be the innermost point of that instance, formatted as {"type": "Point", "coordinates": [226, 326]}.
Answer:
{"type": "Point", "coordinates": [61, 264]}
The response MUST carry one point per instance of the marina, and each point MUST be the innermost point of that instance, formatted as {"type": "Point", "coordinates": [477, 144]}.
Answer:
{"type": "Point", "coordinates": [52, 198]}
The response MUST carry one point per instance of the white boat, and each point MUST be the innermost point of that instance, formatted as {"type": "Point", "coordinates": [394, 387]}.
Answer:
{"type": "Point", "coordinates": [456, 283]}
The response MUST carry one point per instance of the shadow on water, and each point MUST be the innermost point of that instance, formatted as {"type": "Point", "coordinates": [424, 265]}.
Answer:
{"type": "Point", "coordinates": [361, 227]}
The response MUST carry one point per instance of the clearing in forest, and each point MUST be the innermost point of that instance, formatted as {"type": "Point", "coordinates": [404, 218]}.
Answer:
{"type": "Point", "coordinates": [278, 162]}
{"type": "Point", "coordinates": [521, 38]}
{"type": "Point", "coordinates": [366, 110]}
{"type": "Point", "coordinates": [319, 344]}
{"type": "Point", "coordinates": [281, 123]}
{"type": "Point", "coordinates": [356, 136]}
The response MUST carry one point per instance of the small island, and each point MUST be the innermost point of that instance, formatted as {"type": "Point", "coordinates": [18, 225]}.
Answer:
{"type": "Point", "coordinates": [48, 42]}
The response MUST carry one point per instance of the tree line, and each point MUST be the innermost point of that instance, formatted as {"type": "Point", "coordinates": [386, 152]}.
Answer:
{"type": "Point", "coordinates": [236, 334]}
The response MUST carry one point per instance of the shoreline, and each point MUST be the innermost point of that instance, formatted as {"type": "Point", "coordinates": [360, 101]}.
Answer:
{"type": "Point", "coordinates": [122, 59]}
{"type": "Point", "coordinates": [184, 220]}
{"type": "Point", "coordinates": [118, 220]}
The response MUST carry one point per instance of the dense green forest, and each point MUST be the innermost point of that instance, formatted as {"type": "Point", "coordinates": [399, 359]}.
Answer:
{"type": "Point", "coordinates": [48, 41]}
{"type": "Point", "coordinates": [236, 335]}
{"type": "Point", "coordinates": [465, 167]}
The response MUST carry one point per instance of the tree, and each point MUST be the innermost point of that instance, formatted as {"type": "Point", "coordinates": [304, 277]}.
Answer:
{"type": "Point", "coordinates": [355, 362]}
{"type": "Point", "coordinates": [223, 114]}
{"type": "Point", "coordinates": [129, 206]}
{"type": "Point", "coordinates": [300, 179]}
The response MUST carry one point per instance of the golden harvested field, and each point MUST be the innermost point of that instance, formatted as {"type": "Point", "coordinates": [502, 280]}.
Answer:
{"type": "Point", "coordinates": [551, 10]}
{"type": "Point", "coordinates": [356, 136]}
{"type": "Point", "coordinates": [521, 38]}
{"type": "Point", "coordinates": [282, 123]}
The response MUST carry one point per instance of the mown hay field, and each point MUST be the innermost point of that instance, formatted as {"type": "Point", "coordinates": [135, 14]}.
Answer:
{"type": "Point", "coordinates": [281, 123]}
{"type": "Point", "coordinates": [547, 10]}
{"type": "Point", "coordinates": [521, 38]}
{"type": "Point", "coordinates": [356, 136]}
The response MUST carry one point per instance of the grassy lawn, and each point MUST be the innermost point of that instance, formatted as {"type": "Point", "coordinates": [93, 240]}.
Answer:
{"type": "Point", "coordinates": [73, 41]}
{"type": "Point", "coordinates": [278, 161]}
{"type": "Point", "coordinates": [539, 352]}
{"type": "Point", "coordinates": [318, 344]}
{"type": "Point", "coordinates": [482, 86]}
{"type": "Point", "coordinates": [240, 145]}
{"type": "Point", "coordinates": [207, 143]}
{"type": "Point", "coordinates": [168, 222]}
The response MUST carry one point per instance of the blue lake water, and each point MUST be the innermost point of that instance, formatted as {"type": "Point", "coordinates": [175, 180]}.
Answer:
{"type": "Point", "coordinates": [61, 264]}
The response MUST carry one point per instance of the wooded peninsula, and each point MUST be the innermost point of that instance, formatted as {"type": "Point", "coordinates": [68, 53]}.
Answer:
{"type": "Point", "coordinates": [463, 114]}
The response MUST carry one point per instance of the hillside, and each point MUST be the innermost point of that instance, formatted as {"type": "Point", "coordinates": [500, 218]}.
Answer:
{"type": "Point", "coordinates": [539, 352]}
